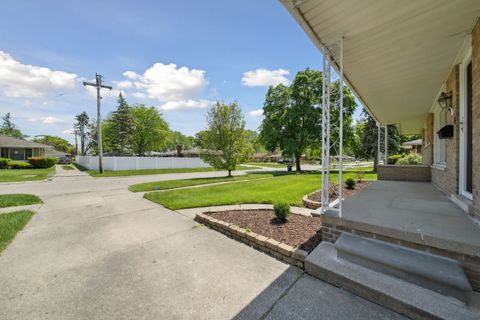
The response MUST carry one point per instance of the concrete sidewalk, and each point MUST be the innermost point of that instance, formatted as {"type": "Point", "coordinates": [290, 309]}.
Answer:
{"type": "Point", "coordinates": [97, 251]}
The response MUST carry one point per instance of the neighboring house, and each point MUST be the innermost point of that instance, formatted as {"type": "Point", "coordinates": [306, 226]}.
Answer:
{"type": "Point", "coordinates": [415, 65]}
{"type": "Point", "coordinates": [19, 149]}
{"type": "Point", "coordinates": [413, 146]}
{"type": "Point", "coordinates": [266, 157]}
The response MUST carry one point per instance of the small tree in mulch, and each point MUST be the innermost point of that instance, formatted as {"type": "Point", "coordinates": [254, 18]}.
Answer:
{"type": "Point", "coordinates": [350, 182]}
{"type": "Point", "coordinates": [359, 175]}
{"type": "Point", "coordinates": [282, 210]}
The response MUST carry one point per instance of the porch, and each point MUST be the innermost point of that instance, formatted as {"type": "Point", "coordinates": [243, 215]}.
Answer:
{"type": "Point", "coordinates": [410, 214]}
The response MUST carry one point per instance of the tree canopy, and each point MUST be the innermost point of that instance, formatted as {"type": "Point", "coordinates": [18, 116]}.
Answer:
{"type": "Point", "coordinates": [58, 143]}
{"type": "Point", "coordinates": [150, 130]}
{"type": "Point", "coordinates": [292, 120]}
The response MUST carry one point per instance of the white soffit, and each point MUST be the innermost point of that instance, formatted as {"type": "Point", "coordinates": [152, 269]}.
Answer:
{"type": "Point", "coordinates": [397, 53]}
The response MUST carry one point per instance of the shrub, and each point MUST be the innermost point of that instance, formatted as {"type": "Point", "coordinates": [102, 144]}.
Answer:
{"type": "Point", "coordinates": [350, 182]}
{"type": "Point", "coordinates": [394, 158]}
{"type": "Point", "coordinates": [4, 162]}
{"type": "Point", "coordinates": [42, 162]}
{"type": "Point", "coordinates": [18, 165]}
{"type": "Point", "coordinates": [282, 210]}
{"type": "Point", "coordinates": [410, 159]}
{"type": "Point", "coordinates": [360, 174]}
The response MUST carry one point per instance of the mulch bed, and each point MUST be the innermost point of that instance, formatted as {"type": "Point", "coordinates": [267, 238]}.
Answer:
{"type": "Point", "coordinates": [317, 196]}
{"type": "Point", "coordinates": [298, 231]}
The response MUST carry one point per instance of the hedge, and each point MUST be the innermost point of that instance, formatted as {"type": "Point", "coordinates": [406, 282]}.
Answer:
{"type": "Point", "coordinates": [42, 162]}
{"type": "Point", "coordinates": [18, 165]}
{"type": "Point", "coordinates": [4, 162]}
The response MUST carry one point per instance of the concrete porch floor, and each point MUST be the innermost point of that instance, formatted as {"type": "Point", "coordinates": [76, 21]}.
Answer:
{"type": "Point", "coordinates": [413, 211]}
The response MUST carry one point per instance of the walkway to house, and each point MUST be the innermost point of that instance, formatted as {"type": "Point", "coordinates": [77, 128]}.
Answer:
{"type": "Point", "coordinates": [97, 251]}
{"type": "Point", "coordinates": [415, 210]}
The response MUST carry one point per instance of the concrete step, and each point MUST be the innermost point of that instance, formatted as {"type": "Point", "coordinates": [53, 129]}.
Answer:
{"type": "Point", "coordinates": [436, 273]}
{"type": "Point", "coordinates": [394, 293]}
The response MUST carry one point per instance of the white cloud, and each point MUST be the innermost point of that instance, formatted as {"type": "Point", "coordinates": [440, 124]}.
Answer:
{"type": "Point", "coordinates": [124, 84]}
{"type": "Point", "coordinates": [68, 131]}
{"type": "Point", "coordinates": [265, 77]}
{"type": "Point", "coordinates": [53, 120]}
{"type": "Point", "coordinates": [24, 80]}
{"type": "Point", "coordinates": [256, 113]}
{"type": "Point", "coordinates": [48, 120]}
{"type": "Point", "coordinates": [139, 95]}
{"type": "Point", "coordinates": [185, 105]}
{"type": "Point", "coordinates": [167, 82]}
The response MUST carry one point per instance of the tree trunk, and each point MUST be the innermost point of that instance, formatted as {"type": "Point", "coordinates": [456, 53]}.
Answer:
{"type": "Point", "coordinates": [375, 160]}
{"type": "Point", "coordinates": [297, 163]}
{"type": "Point", "coordinates": [229, 172]}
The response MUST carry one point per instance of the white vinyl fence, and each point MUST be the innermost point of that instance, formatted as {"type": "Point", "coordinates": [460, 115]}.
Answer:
{"type": "Point", "coordinates": [139, 163]}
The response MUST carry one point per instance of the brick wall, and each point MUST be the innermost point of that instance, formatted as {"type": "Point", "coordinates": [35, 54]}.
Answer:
{"type": "Point", "coordinates": [475, 209]}
{"type": "Point", "coordinates": [404, 173]}
{"type": "Point", "coordinates": [446, 179]}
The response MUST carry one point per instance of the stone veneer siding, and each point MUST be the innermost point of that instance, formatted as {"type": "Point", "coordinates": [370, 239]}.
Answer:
{"type": "Point", "coordinates": [475, 209]}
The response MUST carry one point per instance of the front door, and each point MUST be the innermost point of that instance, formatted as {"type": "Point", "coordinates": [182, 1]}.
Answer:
{"type": "Point", "coordinates": [466, 133]}
{"type": "Point", "coordinates": [468, 129]}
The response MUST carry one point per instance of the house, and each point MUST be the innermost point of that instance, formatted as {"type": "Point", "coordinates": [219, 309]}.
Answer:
{"type": "Point", "coordinates": [403, 240]}
{"type": "Point", "coordinates": [19, 149]}
{"type": "Point", "coordinates": [413, 146]}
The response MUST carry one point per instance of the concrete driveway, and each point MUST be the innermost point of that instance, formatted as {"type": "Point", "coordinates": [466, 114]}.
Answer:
{"type": "Point", "coordinates": [96, 251]}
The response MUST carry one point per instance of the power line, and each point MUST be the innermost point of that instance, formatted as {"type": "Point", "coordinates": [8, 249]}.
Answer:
{"type": "Point", "coordinates": [98, 84]}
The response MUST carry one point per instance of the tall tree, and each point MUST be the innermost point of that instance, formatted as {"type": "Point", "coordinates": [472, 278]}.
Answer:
{"type": "Point", "coordinates": [10, 129]}
{"type": "Point", "coordinates": [225, 139]}
{"type": "Point", "coordinates": [369, 136]}
{"type": "Point", "coordinates": [199, 139]}
{"type": "Point", "coordinates": [58, 143]}
{"type": "Point", "coordinates": [292, 121]}
{"type": "Point", "coordinates": [120, 127]}
{"type": "Point", "coordinates": [82, 126]}
{"type": "Point", "coordinates": [150, 130]}
{"type": "Point", "coordinates": [176, 137]}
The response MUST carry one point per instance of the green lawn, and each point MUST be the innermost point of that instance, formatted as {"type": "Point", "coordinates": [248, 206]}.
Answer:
{"type": "Point", "coordinates": [67, 167]}
{"type": "Point", "coordinates": [16, 175]}
{"type": "Point", "coordinates": [286, 188]}
{"type": "Point", "coordinates": [10, 224]}
{"type": "Point", "coordinates": [171, 184]}
{"type": "Point", "coordinates": [18, 199]}
{"type": "Point", "coordinates": [124, 173]}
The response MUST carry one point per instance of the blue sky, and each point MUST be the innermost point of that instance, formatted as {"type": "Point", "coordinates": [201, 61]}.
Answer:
{"type": "Point", "coordinates": [176, 55]}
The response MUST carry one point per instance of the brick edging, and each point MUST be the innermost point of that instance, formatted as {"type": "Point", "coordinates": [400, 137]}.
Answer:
{"type": "Point", "coordinates": [278, 250]}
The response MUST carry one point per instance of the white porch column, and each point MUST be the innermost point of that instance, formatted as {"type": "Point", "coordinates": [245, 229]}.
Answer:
{"type": "Point", "coordinates": [379, 144]}
{"type": "Point", "coordinates": [386, 145]}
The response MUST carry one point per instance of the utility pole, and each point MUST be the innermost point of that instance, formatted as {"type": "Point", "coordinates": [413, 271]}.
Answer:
{"type": "Point", "coordinates": [98, 84]}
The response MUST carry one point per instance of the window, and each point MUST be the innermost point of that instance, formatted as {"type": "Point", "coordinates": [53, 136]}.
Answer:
{"type": "Point", "coordinates": [439, 145]}
{"type": "Point", "coordinates": [17, 154]}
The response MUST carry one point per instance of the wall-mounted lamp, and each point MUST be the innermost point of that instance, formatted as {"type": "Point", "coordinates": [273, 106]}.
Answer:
{"type": "Point", "coordinates": [445, 101]}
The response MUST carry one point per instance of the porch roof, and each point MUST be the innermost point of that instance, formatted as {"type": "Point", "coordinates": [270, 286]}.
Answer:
{"type": "Point", "coordinates": [397, 54]}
